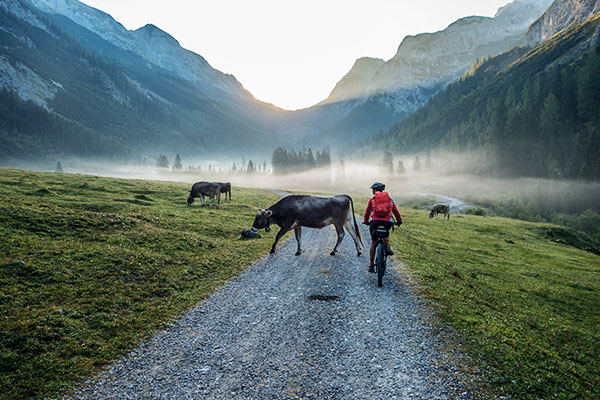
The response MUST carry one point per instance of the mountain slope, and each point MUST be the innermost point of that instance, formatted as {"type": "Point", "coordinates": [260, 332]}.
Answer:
{"type": "Point", "coordinates": [560, 15]}
{"type": "Point", "coordinates": [78, 77]}
{"type": "Point", "coordinates": [151, 43]}
{"type": "Point", "coordinates": [532, 114]}
{"type": "Point", "coordinates": [425, 63]}
{"type": "Point", "coordinates": [160, 49]}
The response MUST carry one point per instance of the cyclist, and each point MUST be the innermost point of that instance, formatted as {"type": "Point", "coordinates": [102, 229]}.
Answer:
{"type": "Point", "coordinates": [380, 210]}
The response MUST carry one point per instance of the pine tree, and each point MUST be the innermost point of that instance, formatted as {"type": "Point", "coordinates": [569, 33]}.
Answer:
{"type": "Point", "coordinates": [310, 159]}
{"type": "Point", "coordinates": [400, 170]}
{"type": "Point", "coordinates": [59, 167]}
{"type": "Point", "coordinates": [250, 168]}
{"type": "Point", "coordinates": [162, 161]}
{"type": "Point", "coordinates": [387, 163]}
{"type": "Point", "coordinates": [234, 167]}
{"type": "Point", "coordinates": [428, 164]}
{"type": "Point", "coordinates": [177, 165]}
{"type": "Point", "coordinates": [417, 164]}
{"type": "Point", "coordinates": [550, 118]}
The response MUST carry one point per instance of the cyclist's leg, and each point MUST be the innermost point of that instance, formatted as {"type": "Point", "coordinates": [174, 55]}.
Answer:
{"type": "Point", "coordinates": [388, 225]}
{"type": "Point", "coordinates": [372, 227]}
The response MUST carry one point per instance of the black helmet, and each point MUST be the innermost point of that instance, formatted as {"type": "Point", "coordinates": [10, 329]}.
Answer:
{"type": "Point", "coordinates": [378, 186]}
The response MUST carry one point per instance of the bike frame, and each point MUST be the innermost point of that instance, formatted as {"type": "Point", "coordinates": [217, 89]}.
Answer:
{"type": "Point", "coordinates": [380, 256]}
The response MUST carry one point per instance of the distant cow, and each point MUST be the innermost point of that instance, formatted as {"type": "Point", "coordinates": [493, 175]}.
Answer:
{"type": "Point", "coordinates": [201, 189]}
{"type": "Point", "coordinates": [225, 188]}
{"type": "Point", "coordinates": [296, 211]}
{"type": "Point", "coordinates": [440, 209]}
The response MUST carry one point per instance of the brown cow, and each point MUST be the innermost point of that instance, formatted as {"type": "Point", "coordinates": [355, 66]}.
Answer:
{"type": "Point", "coordinates": [440, 209]}
{"type": "Point", "coordinates": [225, 188]}
{"type": "Point", "coordinates": [201, 189]}
{"type": "Point", "coordinates": [296, 211]}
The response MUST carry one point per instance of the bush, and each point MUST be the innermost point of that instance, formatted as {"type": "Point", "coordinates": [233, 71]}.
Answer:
{"type": "Point", "coordinates": [589, 222]}
{"type": "Point", "coordinates": [476, 211]}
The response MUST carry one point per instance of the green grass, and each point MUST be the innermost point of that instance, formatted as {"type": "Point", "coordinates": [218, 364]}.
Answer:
{"type": "Point", "coordinates": [104, 264]}
{"type": "Point", "coordinates": [107, 262]}
{"type": "Point", "coordinates": [526, 302]}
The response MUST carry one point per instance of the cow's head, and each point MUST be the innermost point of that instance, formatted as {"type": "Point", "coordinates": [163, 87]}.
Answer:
{"type": "Point", "coordinates": [431, 214]}
{"type": "Point", "coordinates": [262, 220]}
{"type": "Point", "coordinates": [190, 200]}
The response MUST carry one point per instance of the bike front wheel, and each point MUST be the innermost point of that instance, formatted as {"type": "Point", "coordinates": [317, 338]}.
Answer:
{"type": "Point", "coordinates": [380, 263]}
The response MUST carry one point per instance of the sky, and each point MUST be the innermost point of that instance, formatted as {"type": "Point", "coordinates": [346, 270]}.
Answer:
{"type": "Point", "coordinates": [291, 53]}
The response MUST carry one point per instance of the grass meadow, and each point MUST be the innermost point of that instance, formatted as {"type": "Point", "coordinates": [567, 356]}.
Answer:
{"type": "Point", "coordinates": [90, 267]}
{"type": "Point", "coordinates": [523, 296]}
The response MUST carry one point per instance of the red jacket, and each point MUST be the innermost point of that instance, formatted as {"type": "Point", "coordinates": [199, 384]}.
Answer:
{"type": "Point", "coordinates": [369, 211]}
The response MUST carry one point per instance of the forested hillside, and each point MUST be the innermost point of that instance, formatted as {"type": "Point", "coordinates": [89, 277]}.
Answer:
{"type": "Point", "coordinates": [534, 114]}
{"type": "Point", "coordinates": [89, 98]}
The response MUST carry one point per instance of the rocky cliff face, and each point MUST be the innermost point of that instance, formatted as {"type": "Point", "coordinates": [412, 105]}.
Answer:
{"type": "Point", "coordinates": [428, 60]}
{"type": "Point", "coordinates": [153, 44]}
{"type": "Point", "coordinates": [560, 15]}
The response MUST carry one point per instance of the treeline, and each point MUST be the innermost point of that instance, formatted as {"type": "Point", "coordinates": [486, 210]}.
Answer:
{"type": "Point", "coordinates": [249, 167]}
{"type": "Point", "coordinates": [528, 120]}
{"type": "Point", "coordinates": [285, 162]}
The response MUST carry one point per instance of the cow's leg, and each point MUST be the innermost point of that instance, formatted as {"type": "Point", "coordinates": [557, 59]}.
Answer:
{"type": "Point", "coordinates": [280, 234]}
{"type": "Point", "coordinates": [353, 234]}
{"type": "Point", "coordinates": [298, 232]}
{"type": "Point", "coordinates": [448, 215]}
{"type": "Point", "coordinates": [436, 215]}
{"type": "Point", "coordinates": [218, 199]}
{"type": "Point", "coordinates": [340, 232]}
{"type": "Point", "coordinates": [202, 199]}
{"type": "Point", "coordinates": [212, 199]}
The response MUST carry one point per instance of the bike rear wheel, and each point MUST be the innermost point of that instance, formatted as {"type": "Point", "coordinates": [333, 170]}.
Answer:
{"type": "Point", "coordinates": [380, 263]}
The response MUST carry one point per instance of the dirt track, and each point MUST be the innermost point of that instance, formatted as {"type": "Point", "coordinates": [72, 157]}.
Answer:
{"type": "Point", "coordinates": [314, 327]}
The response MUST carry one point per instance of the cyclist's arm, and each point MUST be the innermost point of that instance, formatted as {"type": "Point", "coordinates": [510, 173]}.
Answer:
{"type": "Point", "coordinates": [396, 213]}
{"type": "Point", "coordinates": [367, 212]}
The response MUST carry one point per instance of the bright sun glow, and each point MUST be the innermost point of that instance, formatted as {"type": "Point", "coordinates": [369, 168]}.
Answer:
{"type": "Point", "coordinates": [292, 53]}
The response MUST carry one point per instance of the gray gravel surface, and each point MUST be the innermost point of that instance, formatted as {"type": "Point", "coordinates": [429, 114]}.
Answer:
{"type": "Point", "coordinates": [313, 327]}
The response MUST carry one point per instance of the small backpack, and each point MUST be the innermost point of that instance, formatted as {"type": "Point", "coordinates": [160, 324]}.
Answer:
{"type": "Point", "coordinates": [382, 205]}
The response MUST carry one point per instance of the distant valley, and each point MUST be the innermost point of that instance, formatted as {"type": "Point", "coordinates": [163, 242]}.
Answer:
{"type": "Point", "coordinates": [76, 84]}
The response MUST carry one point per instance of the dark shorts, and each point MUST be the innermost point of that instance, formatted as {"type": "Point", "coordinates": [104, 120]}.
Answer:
{"type": "Point", "coordinates": [374, 224]}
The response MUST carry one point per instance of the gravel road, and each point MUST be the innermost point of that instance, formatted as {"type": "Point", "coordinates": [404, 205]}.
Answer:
{"type": "Point", "coordinates": [313, 327]}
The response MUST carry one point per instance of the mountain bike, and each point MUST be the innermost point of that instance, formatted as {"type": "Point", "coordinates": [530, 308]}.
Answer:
{"type": "Point", "coordinates": [381, 233]}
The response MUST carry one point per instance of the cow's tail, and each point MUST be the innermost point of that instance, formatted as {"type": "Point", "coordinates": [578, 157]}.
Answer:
{"type": "Point", "coordinates": [354, 219]}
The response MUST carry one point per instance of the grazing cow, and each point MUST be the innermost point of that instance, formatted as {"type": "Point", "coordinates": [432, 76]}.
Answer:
{"type": "Point", "coordinates": [201, 189]}
{"type": "Point", "coordinates": [225, 188]}
{"type": "Point", "coordinates": [440, 209]}
{"type": "Point", "coordinates": [296, 211]}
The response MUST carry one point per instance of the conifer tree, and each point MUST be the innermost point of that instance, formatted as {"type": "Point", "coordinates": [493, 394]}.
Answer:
{"type": "Point", "coordinates": [387, 163]}
{"type": "Point", "coordinates": [400, 169]}
{"type": "Point", "coordinates": [162, 161]}
{"type": "Point", "coordinates": [177, 165]}
{"type": "Point", "coordinates": [417, 164]}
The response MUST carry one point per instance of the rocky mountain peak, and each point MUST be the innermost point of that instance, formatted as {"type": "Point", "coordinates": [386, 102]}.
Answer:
{"type": "Point", "coordinates": [427, 60]}
{"type": "Point", "coordinates": [152, 44]}
{"type": "Point", "coordinates": [354, 83]}
{"type": "Point", "coordinates": [150, 31]}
